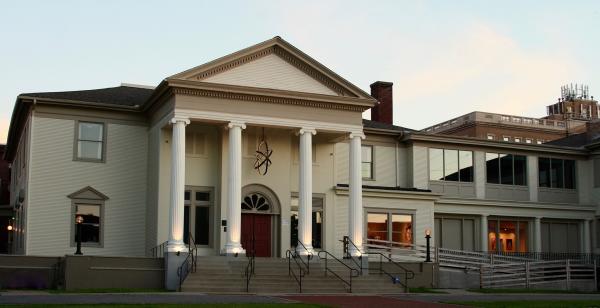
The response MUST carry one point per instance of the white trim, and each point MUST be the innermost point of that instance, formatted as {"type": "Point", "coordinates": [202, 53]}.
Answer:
{"type": "Point", "coordinates": [267, 121]}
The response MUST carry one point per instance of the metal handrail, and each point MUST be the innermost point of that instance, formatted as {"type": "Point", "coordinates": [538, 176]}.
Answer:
{"type": "Point", "coordinates": [351, 270]}
{"type": "Point", "coordinates": [408, 274]}
{"type": "Point", "coordinates": [250, 269]}
{"type": "Point", "coordinates": [309, 256]}
{"type": "Point", "coordinates": [348, 255]}
{"type": "Point", "coordinates": [291, 255]}
{"type": "Point", "coordinates": [189, 264]}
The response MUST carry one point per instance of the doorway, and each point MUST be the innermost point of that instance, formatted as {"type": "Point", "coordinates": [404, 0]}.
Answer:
{"type": "Point", "coordinates": [260, 221]}
{"type": "Point", "coordinates": [256, 234]}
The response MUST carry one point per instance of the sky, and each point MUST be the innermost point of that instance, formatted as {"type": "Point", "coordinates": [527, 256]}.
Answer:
{"type": "Point", "coordinates": [445, 58]}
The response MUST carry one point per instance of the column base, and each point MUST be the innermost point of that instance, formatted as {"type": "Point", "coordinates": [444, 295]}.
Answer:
{"type": "Point", "coordinates": [173, 261]}
{"type": "Point", "coordinates": [305, 252]}
{"type": "Point", "coordinates": [176, 247]}
{"type": "Point", "coordinates": [356, 251]}
{"type": "Point", "coordinates": [233, 249]}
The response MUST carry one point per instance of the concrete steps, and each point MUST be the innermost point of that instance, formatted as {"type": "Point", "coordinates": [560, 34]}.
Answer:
{"type": "Point", "coordinates": [226, 275]}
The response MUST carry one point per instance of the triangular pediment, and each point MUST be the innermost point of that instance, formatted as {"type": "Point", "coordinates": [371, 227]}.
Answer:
{"type": "Point", "coordinates": [273, 64]}
{"type": "Point", "coordinates": [88, 193]}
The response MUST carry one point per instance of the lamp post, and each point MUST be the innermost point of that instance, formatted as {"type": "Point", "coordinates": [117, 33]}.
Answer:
{"type": "Point", "coordinates": [428, 240]}
{"type": "Point", "coordinates": [78, 221]}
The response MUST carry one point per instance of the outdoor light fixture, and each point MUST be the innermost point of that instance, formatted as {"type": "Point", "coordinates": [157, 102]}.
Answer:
{"type": "Point", "coordinates": [9, 228]}
{"type": "Point", "coordinates": [428, 239]}
{"type": "Point", "coordinates": [79, 222]}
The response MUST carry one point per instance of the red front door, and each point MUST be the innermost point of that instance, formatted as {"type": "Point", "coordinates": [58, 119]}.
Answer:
{"type": "Point", "coordinates": [256, 226]}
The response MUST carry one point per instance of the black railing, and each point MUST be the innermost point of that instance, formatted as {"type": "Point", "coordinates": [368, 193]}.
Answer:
{"type": "Point", "coordinates": [408, 274]}
{"type": "Point", "coordinates": [159, 250]}
{"type": "Point", "coordinates": [309, 256]}
{"type": "Point", "coordinates": [250, 269]}
{"type": "Point", "coordinates": [292, 255]}
{"type": "Point", "coordinates": [327, 269]}
{"type": "Point", "coordinates": [189, 264]}
{"type": "Point", "coordinates": [347, 255]}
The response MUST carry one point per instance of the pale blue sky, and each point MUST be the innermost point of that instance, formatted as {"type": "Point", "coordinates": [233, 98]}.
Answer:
{"type": "Point", "coordinates": [446, 58]}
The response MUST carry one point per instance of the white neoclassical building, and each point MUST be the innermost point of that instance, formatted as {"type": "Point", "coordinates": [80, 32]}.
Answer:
{"type": "Point", "coordinates": [265, 148]}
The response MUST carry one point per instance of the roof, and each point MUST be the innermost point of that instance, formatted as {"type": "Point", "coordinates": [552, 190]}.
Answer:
{"type": "Point", "coordinates": [574, 141]}
{"type": "Point", "coordinates": [128, 96]}
{"type": "Point", "coordinates": [386, 126]}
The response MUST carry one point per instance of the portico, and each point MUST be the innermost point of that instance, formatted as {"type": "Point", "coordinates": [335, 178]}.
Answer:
{"type": "Point", "coordinates": [234, 94]}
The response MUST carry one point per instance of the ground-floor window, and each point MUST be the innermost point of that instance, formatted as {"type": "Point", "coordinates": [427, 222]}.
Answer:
{"type": "Point", "coordinates": [88, 215]}
{"type": "Point", "coordinates": [561, 236]}
{"type": "Point", "coordinates": [455, 232]}
{"type": "Point", "coordinates": [508, 235]}
{"type": "Point", "coordinates": [385, 225]}
{"type": "Point", "coordinates": [197, 215]}
{"type": "Point", "coordinates": [317, 222]}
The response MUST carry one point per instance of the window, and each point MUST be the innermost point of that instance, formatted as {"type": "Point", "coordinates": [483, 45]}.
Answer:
{"type": "Point", "coordinates": [367, 162]}
{"type": "Point", "coordinates": [387, 226]}
{"type": "Point", "coordinates": [504, 118]}
{"type": "Point", "coordinates": [527, 121]}
{"type": "Point", "coordinates": [491, 137]}
{"type": "Point", "coordinates": [506, 169]}
{"type": "Point", "coordinates": [450, 165]}
{"type": "Point", "coordinates": [597, 175]}
{"type": "Point", "coordinates": [556, 173]}
{"type": "Point", "coordinates": [90, 141]}
{"type": "Point", "coordinates": [506, 138]}
{"type": "Point", "coordinates": [528, 140]}
{"type": "Point", "coordinates": [517, 139]}
{"type": "Point", "coordinates": [90, 226]}
{"type": "Point", "coordinates": [540, 141]}
{"type": "Point", "coordinates": [317, 221]}
{"type": "Point", "coordinates": [516, 120]}
{"type": "Point", "coordinates": [197, 216]}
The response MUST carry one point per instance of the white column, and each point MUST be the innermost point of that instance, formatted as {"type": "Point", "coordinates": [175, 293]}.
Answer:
{"type": "Point", "coordinates": [586, 237]}
{"type": "Point", "coordinates": [305, 195]}
{"type": "Point", "coordinates": [355, 186]}
{"type": "Point", "coordinates": [484, 232]}
{"type": "Point", "coordinates": [234, 189]}
{"type": "Point", "coordinates": [537, 234]}
{"type": "Point", "coordinates": [175, 242]}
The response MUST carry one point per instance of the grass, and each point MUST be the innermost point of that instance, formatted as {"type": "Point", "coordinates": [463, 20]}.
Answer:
{"type": "Point", "coordinates": [109, 290]}
{"type": "Point", "coordinates": [426, 290]}
{"type": "Point", "coordinates": [531, 304]}
{"type": "Point", "coordinates": [528, 291]}
{"type": "Point", "coordinates": [270, 305]}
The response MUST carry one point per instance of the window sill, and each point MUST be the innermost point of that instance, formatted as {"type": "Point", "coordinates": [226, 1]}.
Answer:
{"type": "Point", "coordinates": [87, 160]}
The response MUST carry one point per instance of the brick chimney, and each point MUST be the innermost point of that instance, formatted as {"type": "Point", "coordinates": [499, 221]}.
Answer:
{"type": "Point", "coordinates": [384, 111]}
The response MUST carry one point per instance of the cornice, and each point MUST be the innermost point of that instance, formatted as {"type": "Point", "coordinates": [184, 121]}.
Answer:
{"type": "Point", "coordinates": [514, 204]}
{"type": "Point", "coordinates": [205, 89]}
{"type": "Point", "coordinates": [396, 194]}
{"type": "Point", "coordinates": [493, 144]}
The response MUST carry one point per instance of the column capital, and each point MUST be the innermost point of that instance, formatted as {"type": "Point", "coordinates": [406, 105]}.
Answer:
{"type": "Point", "coordinates": [305, 130]}
{"type": "Point", "coordinates": [484, 215]}
{"type": "Point", "coordinates": [360, 135]}
{"type": "Point", "coordinates": [176, 119]}
{"type": "Point", "coordinates": [239, 124]}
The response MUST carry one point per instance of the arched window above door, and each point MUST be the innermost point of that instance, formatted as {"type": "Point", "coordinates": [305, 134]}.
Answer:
{"type": "Point", "coordinates": [256, 202]}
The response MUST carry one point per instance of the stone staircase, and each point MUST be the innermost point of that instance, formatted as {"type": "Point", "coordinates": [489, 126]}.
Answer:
{"type": "Point", "coordinates": [226, 275]}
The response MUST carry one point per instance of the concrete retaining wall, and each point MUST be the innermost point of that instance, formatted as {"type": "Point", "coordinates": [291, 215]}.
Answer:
{"type": "Point", "coordinates": [425, 273]}
{"type": "Point", "coordinates": [28, 272]}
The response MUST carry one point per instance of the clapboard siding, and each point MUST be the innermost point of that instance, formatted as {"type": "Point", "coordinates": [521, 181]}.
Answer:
{"type": "Point", "coordinates": [384, 164]}
{"type": "Point", "coordinates": [271, 72]}
{"type": "Point", "coordinates": [152, 209]}
{"type": "Point", "coordinates": [420, 167]}
{"type": "Point", "coordinates": [54, 175]}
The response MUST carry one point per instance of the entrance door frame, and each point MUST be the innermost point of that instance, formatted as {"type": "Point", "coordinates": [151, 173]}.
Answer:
{"type": "Point", "coordinates": [274, 211]}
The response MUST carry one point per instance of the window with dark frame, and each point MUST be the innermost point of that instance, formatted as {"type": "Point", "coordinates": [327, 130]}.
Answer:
{"type": "Point", "coordinates": [506, 169]}
{"type": "Point", "coordinates": [556, 173]}
{"type": "Point", "coordinates": [197, 216]}
{"type": "Point", "coordinates": [90, 141]}
{"type": "Point", "coordinates": [450, 165]}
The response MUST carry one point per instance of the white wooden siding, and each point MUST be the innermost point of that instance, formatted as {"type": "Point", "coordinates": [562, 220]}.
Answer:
{"type": "Point", "coordinates": [55, 175]}
{"type": "Point", "coordinates": [271, 72]}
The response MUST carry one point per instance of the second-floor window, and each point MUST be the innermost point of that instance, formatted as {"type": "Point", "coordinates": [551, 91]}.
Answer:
{"type": "Point", "coordinates": [556, 173]}
{"type": "Point", "coordinates": [507, 169]}
{"type": "Point", "coordinates": [450, 165]}
{"type": "Point", "coordinates": [367, 162]}
{"type": "Point", "coordinates": [90, 141]}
